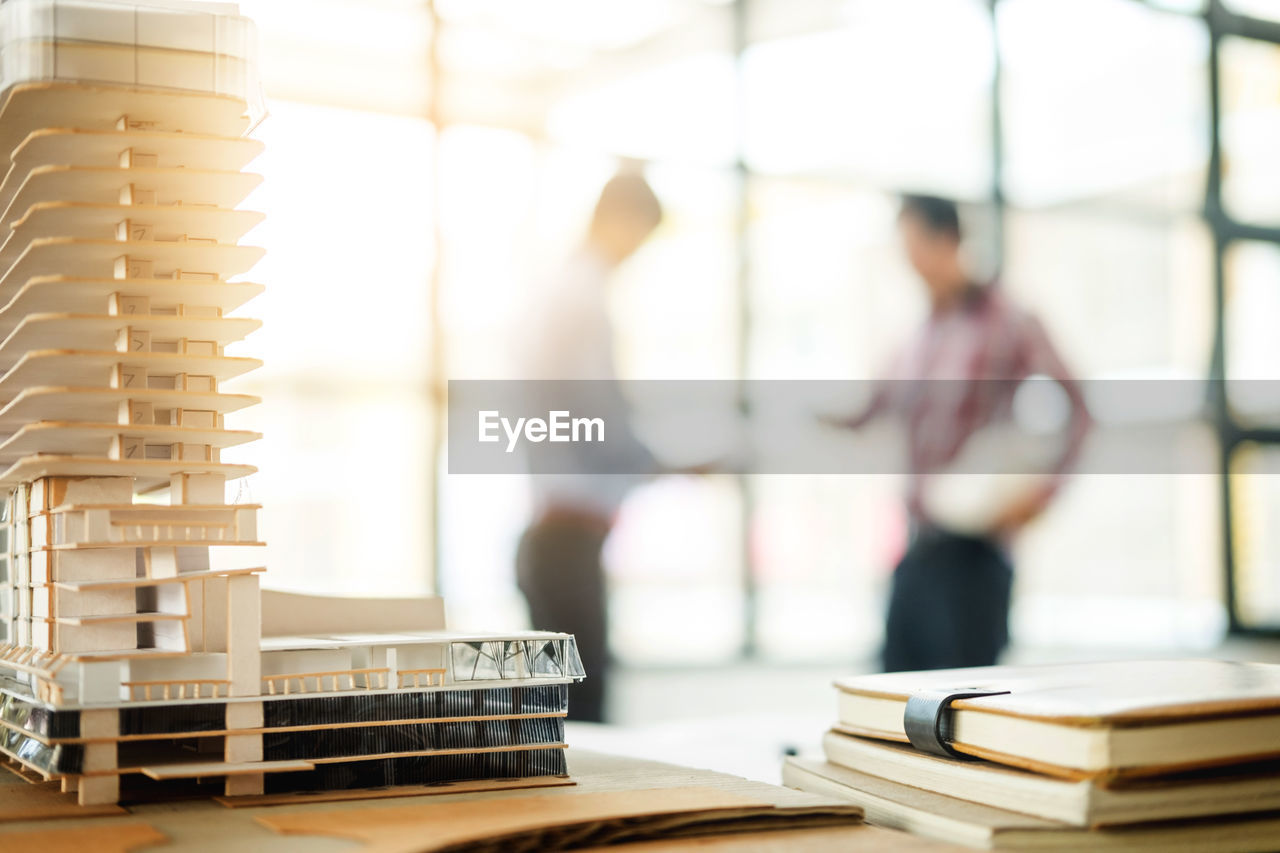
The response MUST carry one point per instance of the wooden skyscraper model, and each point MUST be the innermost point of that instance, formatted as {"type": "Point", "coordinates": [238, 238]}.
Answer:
{"type": "Point", "coordinates": [126, 654]}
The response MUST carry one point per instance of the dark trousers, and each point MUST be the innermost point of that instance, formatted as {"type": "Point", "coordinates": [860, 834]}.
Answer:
{"type": "Point", "coordinates": [559, 571]}
{"type": "Point", "coordinates": [948, 605]}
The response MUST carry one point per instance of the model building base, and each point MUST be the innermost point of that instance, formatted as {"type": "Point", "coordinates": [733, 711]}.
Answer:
{"type": "Point", "coordinates": [132, 627]}
{"type": "Point", "coordinates": [331, 740]}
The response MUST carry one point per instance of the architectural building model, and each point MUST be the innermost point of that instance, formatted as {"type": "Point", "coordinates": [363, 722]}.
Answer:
{"type": "Point", "coordinates": [127, 655]}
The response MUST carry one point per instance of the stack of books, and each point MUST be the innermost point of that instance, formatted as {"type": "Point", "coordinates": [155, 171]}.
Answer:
{"type": "Point", "coordinates": [1150, 755]}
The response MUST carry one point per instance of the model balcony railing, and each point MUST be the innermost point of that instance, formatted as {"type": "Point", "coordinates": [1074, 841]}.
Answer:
{"type": "Point", "coordinates": [197, 688]}
{"type": "Point", "coordinates": [32, 660]}
{"type": "Point", "coordinates": [326, 682]}
{"type": "Point", "coordinates": [41, 667]}
{"type": "Point", "coordinates": [150, 531]}
{"type": "Point", "coordinates": [150, 525]}
{"type": "Point", "coordinates": [420, 678]}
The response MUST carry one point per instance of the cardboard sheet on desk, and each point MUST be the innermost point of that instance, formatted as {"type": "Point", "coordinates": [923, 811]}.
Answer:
{"type": "Point", "coordinates": [396, 791]}
{"type": "Point", "coordinates": [559, 822]}
{"type": "Point", "coordinates": [116, 838]}
{"type": "Point", "coordinates": [846, 839]}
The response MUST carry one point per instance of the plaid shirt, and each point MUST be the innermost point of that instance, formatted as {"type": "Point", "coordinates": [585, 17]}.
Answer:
{"type": "Point", "coordinates": [982, 337]}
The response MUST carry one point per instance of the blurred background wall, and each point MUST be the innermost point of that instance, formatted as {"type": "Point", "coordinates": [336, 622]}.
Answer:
{"type": "Point", "coordinates": [1119, 166]}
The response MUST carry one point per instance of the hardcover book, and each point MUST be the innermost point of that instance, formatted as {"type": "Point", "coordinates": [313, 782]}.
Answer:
{"type": "Point", "coordinates": [1087, 721]}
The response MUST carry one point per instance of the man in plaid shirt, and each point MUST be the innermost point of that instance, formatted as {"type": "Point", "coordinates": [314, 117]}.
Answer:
{"type": "Point", "coordinates": [949, 602]}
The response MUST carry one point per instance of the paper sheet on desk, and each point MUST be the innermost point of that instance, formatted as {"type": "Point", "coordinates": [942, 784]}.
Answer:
{"type": "Point", "coordinates": [561, 822]}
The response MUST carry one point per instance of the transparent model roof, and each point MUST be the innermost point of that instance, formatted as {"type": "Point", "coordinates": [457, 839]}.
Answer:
{"type": "Point", "coordinates": [198, 47]}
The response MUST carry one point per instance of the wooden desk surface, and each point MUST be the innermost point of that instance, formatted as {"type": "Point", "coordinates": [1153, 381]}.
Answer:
{"type": "Point", "coordinates": [205, 825]}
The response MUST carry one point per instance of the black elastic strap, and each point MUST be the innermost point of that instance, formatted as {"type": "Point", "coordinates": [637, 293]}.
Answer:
{"type": "Point", "coordinates": [927, 719]}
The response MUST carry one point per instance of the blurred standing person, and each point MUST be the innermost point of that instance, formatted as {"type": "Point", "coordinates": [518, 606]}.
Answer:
{"type": "Point", "coordinates": [569, 337]}
{"type": "Point", "coordinates": [950, 593]}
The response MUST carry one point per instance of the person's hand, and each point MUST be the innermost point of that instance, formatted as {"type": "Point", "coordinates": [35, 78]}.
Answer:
{"type": "Point", "coordinates": [1021, 512]}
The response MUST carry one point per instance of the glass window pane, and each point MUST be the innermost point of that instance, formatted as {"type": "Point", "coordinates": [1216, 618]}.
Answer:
{"type": "Point", "coordinates": [831, 296]}
{"type": "Point", "coordinates": [1251, 130]}
{"type": "Point", "coordinates": [488, 196]}
{"type": "Point", "coordinates": [675, 302]}
{"type": "Point", "coordinates": [1252, 346]}
{"type": "Point", "coordinates": [1136, 559]}
{"type": "Point", "coordinates": [868, 98]}
{"type": "Point", "coordinates": [605, 70]}
{"type": "Point", "coordinates": [480, 521]}
{"type": "Point", "coordinates": [334, 218]}
{"type": "Point", "coordinates": [823, 548]}
{"type": "Point", "coordinates": [675, 561]}
{"type": "Point", "coordinates": [1255, 523]}
{"type": "Point", "coordinates": [336, 463]}
{"type": "Point", "coordinates": [1269, 9]}
{"type": "Point", "coordinates": [1103, 99]}
{"type": "Point", "coordinates": [682, 109]}
{"type": "Point", "coordinates": [362, 54]}
{"type": "Point", "coordinates": [1121, 297]}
